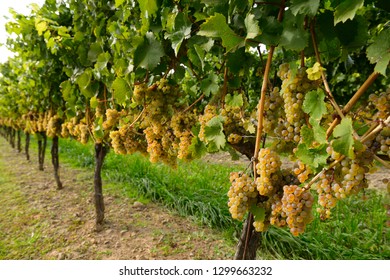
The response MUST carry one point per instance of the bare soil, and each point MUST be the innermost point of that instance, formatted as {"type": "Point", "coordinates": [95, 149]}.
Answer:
{"type": "Point", "coordinates": [37, 221]}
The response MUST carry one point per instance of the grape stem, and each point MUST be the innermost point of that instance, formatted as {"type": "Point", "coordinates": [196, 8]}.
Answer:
{"type": "Point", "coordinates": [138, 117]}
{"type": "Point", "coordinates": [383, 162]}
{"type": "Point", "coordinates": [353, 100]}
{"type": "Point", "coordinates": [193, 104]}
{"type": "Point", "coordinates": [324, 80]}
{"type": "Point", "coordinates": [376, 130]}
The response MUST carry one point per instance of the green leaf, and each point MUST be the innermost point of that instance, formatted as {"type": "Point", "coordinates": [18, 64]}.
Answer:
{"type": "Point", "coordinates": [40, 26]}
{"type": "Point", "coordinates": [93, 102]}
{"type": "Point", "coordinates": [294, 36]}
{"type": "Point", "coordinates": [347, 10]}
{"type": "Point", "coordinates": [94, 51]}
{"type": "Point", "coordinates": [84, 83]}
{"type": "Point", "coordinates": [314, 104]}
{"type": "Point", "coordinates": [84, 79]}
{"type": "Point", "coordinates": [216, 27]}
{"type": "Point", "coordinates": [148, 10]}
{"type": "Point", "coordinates": [234, 100]}
{"type": "Point", "coordinates": [252, 27]}
{"type": "Point", "coordinates": [121, 90]}
{"type": "Point", "coordinates": [197, 148]}
{"type": "Point", "coordinates": [210, 84]}
{"type": "Point", "coordinates": [258, 212]}
{"type": "Point", "coordinates": [344, 141]}
{"type": "Point", "coordinates": [319, 132]}
{"type": "Point", "coordinates": [118, 3]}
{"type": "Point", "coordinates": [67, 91]}
{"type": "Point", "coordinates": [313, 157]}
{"type": "Point", "coordinates": [102, 61]}
{"type": "Point", "coordinates": [181, 31]}
{"type": "Point", "coordinates": [148, 53]}
{"type": "Point", "coordinates": [271, 30]}
{"type": "Point", "coordinates": [306, 7]}
{"type": "Point", "coordinates": [148, 7]}
{"type": "Point", "coordinates": [379, 51]}
{"type": "Point", "coordinates": [214, 132]}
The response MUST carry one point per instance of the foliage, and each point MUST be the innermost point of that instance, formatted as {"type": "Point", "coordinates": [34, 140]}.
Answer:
{"type": "Point", "coordinates": [186, 78]}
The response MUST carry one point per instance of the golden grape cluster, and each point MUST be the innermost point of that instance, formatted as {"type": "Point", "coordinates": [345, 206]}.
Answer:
{"type": "Point", "coordinates": [297, 203]}
{"type": "Point", "coordinates": [346, 178]}
{"type": "Point", "coordinates": [272, 110]}
{"type": "Point", "coordinates": [295, 85]}
{"type": "Point", "coordinates": [267, 167]}
{"type": "Point", "coordinates": [241, 194]}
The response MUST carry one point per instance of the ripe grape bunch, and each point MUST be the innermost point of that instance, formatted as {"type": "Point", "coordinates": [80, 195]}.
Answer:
{"type": "Point", "coordinates": [241, 194]}
{"type": "Point", "coordinates": [295, 85]}
{"type": "Point", "coordinates": [297, 203]}
{"type": "Point", "coordinates": [267, 167]}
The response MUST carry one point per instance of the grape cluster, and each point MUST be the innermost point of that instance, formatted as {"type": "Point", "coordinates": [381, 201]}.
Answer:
{"type": "Point", "coordinates": [302, 171]}
{"type": "Point", "coordinates": [346, 178]}
{"type": "Point", "coordinates": [272, 112]}
{"type": "Point", "coordinates": [241, 194]}
{"type": "Point", "coordinates": [54, 126]}
{"type": "Point", "coordinates": [181, 124]}
{"type": "Point", "coordinates": [127, 140]}
{"type": "Point", "coordinates": [379, 103]}
{"type": "Point", "coordinates": [77, 129]}
{"type": "Point", "coordinates": [297, 204]}
{"type": "Point", "coordinates": [382, 141]}
{"type": "Point", "coordinates": [267, 167]}
{"type": "Point", "coordinates": [295, 85]}
{"type": "Point", "coordinates": [112, 119]}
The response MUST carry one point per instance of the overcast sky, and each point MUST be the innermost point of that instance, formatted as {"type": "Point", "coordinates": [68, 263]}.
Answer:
{"type": "Point", "coordinates": [21, 6]}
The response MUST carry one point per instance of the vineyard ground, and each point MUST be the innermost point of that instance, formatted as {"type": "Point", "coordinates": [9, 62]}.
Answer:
{"type": "Point", "coordinates": [39, 222]}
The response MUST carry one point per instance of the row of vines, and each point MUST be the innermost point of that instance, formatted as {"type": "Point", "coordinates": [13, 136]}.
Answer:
{"type": "Point", "coordinates": [175, 80]}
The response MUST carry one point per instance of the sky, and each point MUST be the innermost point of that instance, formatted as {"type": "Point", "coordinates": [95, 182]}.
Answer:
{"type": "Point", "coordinates": [21, 6]}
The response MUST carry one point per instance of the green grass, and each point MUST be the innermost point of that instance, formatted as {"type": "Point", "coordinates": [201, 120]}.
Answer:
{"type": "Point", "coordinates": [198, 190]}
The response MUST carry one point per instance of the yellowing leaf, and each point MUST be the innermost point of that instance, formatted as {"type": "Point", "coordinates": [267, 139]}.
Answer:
{"type": "Point", "coordinates": [314, 73]}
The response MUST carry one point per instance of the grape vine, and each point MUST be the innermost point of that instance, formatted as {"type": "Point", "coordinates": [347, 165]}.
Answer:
{"type": "Point", "coordinates": [193, 77]}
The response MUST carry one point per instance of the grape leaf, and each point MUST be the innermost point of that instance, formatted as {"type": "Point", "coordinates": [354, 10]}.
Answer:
{"type": "Point", "coordinates": [93, 102]}
{"type": "Point", "coordinates": [314, 104]}
{"type": "Point", "coordinates": [379, 51]}
{"type": "Point", "coordinates": [272, 30]}
{"type": "Point", "coordinates": [148, 53]}
{"type": "Point", "coordinates": [94, 51]}
{"type": "Point", "coordinates": [40, 26]}
{"type": "Point", "coordinates": [121, 90]}
{"type": "Point", "coordinates": [347, 10]}
{"type": "Point", "coordinates": [209, 85]}
{"type": "Point", "coordinates": [314, 73]}
{"type": "Point", "coordinates": [102, 61]}
{"type": "Point", "coordinates": [234, 100]}
{"type": "Point", "coordinates": [294, 36]}
{"type": "Point", "coordinates": [252, 27]}
{"type": "Point", "coordinates": [216, 26]}
{"type": "Point", "coordinates": [258, 212]}
{"type": "Point", "coordinates": [306, 7]}
{"type": "Point", "coordinates": [344, 141]}
{"type": "Point", "coordinates": [83, 81]}
{"type": "Point", "coordinates": [197, 148]}
{"type": "Point", "coordinates": [181, 31]}
{"type": "Point", "coordinates": [118, 3]}
{"type": "Point", "coordinates": [314, 157]}
{"type": "Point", "coordinates": [214, 132]}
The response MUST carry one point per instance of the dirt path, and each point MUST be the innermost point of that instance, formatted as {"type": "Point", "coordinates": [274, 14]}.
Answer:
{"type": "Point", "coordinates": [39, 222]}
